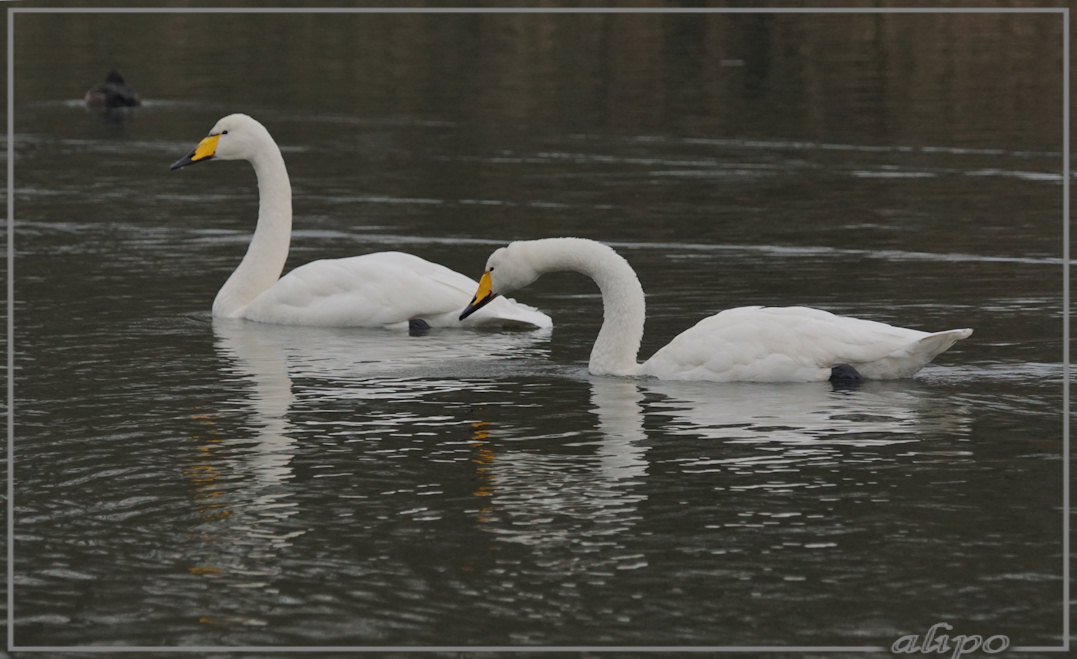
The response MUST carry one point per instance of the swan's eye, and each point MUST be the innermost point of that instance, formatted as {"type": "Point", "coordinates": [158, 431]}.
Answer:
{"type": "Point", "coordinates": [224, 132]}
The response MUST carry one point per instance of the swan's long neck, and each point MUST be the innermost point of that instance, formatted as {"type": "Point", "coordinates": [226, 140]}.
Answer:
{"type": "Point", "coordinates": [262, 265]}
{"type": "Point", "coordinates": [623, 307]}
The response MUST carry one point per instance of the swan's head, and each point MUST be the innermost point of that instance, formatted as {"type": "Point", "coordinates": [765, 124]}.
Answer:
{"type": "Point", "coordinates": [235, 137]}
{"type": "Point", "coordinates": [507, 269]}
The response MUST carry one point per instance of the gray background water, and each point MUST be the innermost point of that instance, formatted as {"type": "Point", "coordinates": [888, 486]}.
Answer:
{"type": "Point", "coordinates": [180, 481]}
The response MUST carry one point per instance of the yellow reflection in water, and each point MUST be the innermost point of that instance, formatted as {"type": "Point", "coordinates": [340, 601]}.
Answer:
{"type": "Point", "coordinates": [483, 459]}
{"type": "Point", "coordinates": [206, 476]}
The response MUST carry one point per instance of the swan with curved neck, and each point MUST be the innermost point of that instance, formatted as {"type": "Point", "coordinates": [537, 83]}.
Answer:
{"type": "Point", "coordinates": [382, 289]}
{"type": "Point", "coordinates": [760, 344]}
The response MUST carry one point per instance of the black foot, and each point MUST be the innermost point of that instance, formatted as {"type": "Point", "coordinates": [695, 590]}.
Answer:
{"type": "Point", "coordinates": [845, 375]}
{"type": "Point", "coordinates": [418, 327]}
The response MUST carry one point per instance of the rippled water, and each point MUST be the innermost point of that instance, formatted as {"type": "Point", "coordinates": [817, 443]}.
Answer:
{"type": "Point", "coordinates": [186, 481]}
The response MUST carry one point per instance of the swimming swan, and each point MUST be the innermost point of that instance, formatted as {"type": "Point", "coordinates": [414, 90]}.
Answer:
{"type": "Point", "coordinates": [761, 344]}
{"type": "Point", "coordinates": [383, 289]}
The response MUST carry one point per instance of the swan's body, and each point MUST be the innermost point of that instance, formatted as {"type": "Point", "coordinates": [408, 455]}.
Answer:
{"type": "Point", "coordinates": [761, 344]}
{"type": "Point", "coordinates": [383, 289]}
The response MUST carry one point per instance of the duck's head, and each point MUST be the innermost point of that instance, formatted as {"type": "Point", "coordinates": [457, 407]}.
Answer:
{"type": "Point", "coordinates": [235, 137]}
{"type": "Point", "coordinates": [507, 269]}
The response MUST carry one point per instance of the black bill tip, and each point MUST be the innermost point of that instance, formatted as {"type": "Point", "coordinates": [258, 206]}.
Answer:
{"type": "Point", "coordinates": [184, 161]}
{"type": "Point", "coordinates": [476, 305]}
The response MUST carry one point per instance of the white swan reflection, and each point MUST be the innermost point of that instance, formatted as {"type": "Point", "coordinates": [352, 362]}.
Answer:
{"type": "Point", "coordinates": [874, 414]}
{"type": "Point", "coordinates": [553, 499]}
{"type": "Point", "coordinates": [570, 509]}
{"type": "Point", "coordinates": [242, 483]}
{"type": "Point", "coordinates": [243, 476]}
{"type": "Point", "coordinates": [786, 427]}
{"type": "Point", "coordinates": [617, 406]}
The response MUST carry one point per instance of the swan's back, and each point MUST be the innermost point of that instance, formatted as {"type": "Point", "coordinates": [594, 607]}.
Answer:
{"type": "Point", "coordinates": [382, 289]}
{"type": "Point", "coordinates": [782, 344]}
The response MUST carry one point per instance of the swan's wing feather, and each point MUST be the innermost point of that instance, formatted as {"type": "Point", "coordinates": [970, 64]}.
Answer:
{"type": "Point", "coordinates": [368, 291]}
{"type": "Point", "coordinates": [383, 289]}
{"type": "Point", "coordinates": [794, 343]}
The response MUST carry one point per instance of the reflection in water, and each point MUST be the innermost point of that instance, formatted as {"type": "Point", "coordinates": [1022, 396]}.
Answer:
{"type": "Point", "coordinates": [823, 75]}
{"type": "Point", "coordinates": [550, 501]}
{"type": "Point", "coordinates": [804, 414]}
{"type": "Point", "coordinates": [779, 448]}
{"type": "Point", "coordinates": [262, 362]}
{"type": "Point", "coordinates": [482, 457]}
{"type": "Point", "coordinates": [245, 503]}
{"type": "Point", "coordinates": [791, 426]}
{"type": "Point", "coordinates": [571, 513]}
{"type": "Point", "coordinates": [339, 357]}
{"type": "Point", "coordinates": [243, 483]}
{"type": "Point", "coordinates": [616, 402]}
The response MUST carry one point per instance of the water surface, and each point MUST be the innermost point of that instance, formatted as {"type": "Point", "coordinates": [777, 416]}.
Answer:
{"type": "Point", "coordinates": [186, 481]}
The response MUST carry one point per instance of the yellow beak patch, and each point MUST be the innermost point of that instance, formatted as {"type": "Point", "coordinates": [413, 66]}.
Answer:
{"type": "Point", "coordinates": [204, 151]}
{"type": "Point", "coordinates": [485, 284]}
{"type": "Point", "coordinates": [482, 296]}
{"type": "Point", "coordinates": [206, 148]}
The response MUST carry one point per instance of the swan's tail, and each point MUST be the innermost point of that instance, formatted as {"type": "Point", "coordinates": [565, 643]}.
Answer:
{"type": "Point", "coordinates": [937, 343]}
{"type": "Point", "coordinates": [906, 361]}
{"type": "Point", "coordinates": [923, 351]}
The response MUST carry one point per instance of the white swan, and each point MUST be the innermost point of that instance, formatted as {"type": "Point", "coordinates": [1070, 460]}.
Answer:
{"type": "Point", "coordinates": [761, 344]}
{"type": "Point", "coordinates": [384, 289]}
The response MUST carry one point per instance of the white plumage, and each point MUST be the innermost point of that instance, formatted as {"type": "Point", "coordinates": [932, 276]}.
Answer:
{"type": "Point", "coordinates": [760, 344]}
{"type": "Point", "coordinates": [383, 289]}
{"type": "Point", "coordinates": [774, 344]}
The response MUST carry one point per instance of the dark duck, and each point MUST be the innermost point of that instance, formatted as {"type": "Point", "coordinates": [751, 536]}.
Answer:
{"type": "Point", "coordinates": [112, 93]}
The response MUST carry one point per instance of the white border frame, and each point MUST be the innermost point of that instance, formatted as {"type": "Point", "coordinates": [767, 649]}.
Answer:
{"type": "Point", "coordinates": [13, 11]}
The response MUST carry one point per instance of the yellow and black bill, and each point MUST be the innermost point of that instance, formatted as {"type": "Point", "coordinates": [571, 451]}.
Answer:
{"type": "Point", "coordinates": [204, 151]}
{"type": "Point", "coordinates": [483, 296]}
